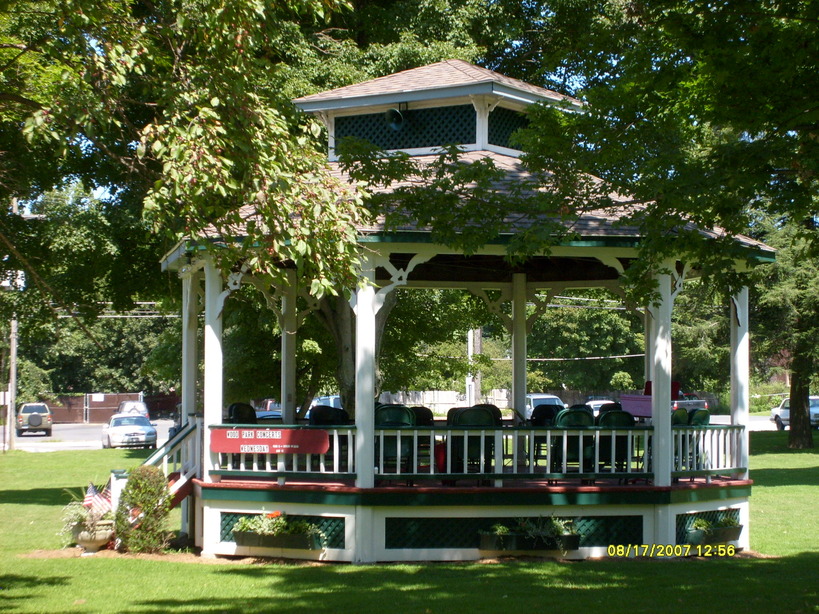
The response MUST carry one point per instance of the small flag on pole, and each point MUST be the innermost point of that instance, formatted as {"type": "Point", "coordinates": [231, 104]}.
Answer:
{"type": "Point", "coordinates": [99, 502]}
{"type": "Point", "coordinates": [90, 493]}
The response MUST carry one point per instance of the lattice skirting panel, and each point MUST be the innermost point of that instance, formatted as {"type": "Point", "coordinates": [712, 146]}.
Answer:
{"type": "Point", "coordinates": [685, 521]}
{"type": "Point", "coordinates": [331, 527]}
{"type": "Point", "coordinates": [463, 532]}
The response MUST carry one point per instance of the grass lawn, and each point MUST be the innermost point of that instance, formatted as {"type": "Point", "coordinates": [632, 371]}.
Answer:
{"type": "Point", "coordinates": [783, 526]}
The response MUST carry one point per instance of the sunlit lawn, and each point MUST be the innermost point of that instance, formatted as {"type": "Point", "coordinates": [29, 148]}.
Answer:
{"type": "Point", "coordinates": [783, 519]}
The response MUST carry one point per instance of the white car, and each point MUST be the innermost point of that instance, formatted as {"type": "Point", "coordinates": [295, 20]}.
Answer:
{"type": "Point", "coordinates": [539, 398]}
{"type": "Point", "coordinates": [781, 414]}
{"type": "Point", "coordinates": [595, 405]}
{"type": "Point", "coordinates": [128, 431]}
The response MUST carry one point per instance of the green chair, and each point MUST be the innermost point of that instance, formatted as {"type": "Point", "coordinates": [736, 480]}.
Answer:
{"type": "Point", "coordinates": [699, 417]}
{"type": "Point", "coordinates": [579, 448]}
{"type": "Point", "coordinates": [466, 448]}
{"type": "Point", "coordinates": [395, 455]}
{"type": "Point", "coordinates": [679, 417]}
{"type": "Point", "coordinates": [614, 449]}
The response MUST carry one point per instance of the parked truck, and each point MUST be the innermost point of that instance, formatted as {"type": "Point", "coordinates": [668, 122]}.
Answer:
{"type": "Point", "coordinates": [688, 401]}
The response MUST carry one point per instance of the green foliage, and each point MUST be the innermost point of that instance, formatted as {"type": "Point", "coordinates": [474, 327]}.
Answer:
{"type": "Point", "coordinates": [591, 326]}
{"type": "Point", "coordinates": [33, 382]}
{"type": "Point", "coordinates": [621, 381]}
{"type": "Point", "coordinates": [424, 345]}
{"type": "Point", "coordinates": [143, 511]}
{"type": "Point", "coordinates": [545, 527]}
{"type": "Point", "coordinates": [275, 523]}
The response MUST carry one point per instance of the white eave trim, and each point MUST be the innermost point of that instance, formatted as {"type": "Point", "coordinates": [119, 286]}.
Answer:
{"type": "Point", "coordinates": [458, 91]}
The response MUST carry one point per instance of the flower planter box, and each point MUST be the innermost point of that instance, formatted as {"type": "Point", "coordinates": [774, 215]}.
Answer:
{"type": "Point", "coordinates": [715, 535]}
{"type": "Point", "coordinates": [296, 541]}
{"type": "Point", "coordinates": [517, 541]}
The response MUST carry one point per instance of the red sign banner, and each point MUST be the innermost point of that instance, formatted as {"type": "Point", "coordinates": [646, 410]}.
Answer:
{"type": "Point", "coordinates": [243, 440]}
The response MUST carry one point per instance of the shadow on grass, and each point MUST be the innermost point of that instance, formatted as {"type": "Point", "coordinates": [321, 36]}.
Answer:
{"type": "Point", "coordinates": [775, 442]}
{"type": "Point", "coordinates": [725, 585]}
{"type": "Point", "coordinates": [16, 589]}
{"type": "Point", "coordinates": [807, 476]}
{"type": "Point", "coordinates": [40, 496]}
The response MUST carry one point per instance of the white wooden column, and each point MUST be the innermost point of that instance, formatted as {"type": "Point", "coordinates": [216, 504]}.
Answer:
{"type": "Point", "coordinates": [289, 327]}
{"type": "Point", "coordinates": [740, 369]}
{"type": "Point", "coordinates": [662, 443]}
{"type": "Point", "coordinates": [365, 310]}
{"type": "Point", "coordinates": [365, 307]}
{"type": "Point", "coordinates": [661, 384]}
{"type": "Point", "coordinates": [519, 342]}
{"type": "Point", "coordinates": [190, 345]}
{"type": "Point", "coordinates": [213, 388]}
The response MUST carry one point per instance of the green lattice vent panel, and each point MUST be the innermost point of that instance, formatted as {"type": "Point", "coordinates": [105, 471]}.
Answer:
{"type": "Point", "coordinates": [684, 521]}
{"type": "Point", "coordinates": [332, 527]}
{"type": "Point", "coordinates": [503, 123]}
{"type": "Point", "coordinates": [420, 128]}
{"type": "Point", "coordinates": [463, 532]}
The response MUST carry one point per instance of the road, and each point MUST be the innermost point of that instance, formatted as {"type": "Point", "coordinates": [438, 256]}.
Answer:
{"type": "Point", "coordinates": [77, 437]}
{"type": "Point", "coordinates": [88, 436]}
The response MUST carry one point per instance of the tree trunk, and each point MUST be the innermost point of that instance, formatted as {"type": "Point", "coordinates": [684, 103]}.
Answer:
{"type": "Point", "coordinates": [800, 436]}
{"type": "Point", "coordinates": [337, 315]}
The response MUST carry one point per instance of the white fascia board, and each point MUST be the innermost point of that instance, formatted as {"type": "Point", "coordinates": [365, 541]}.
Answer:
{"type": "Point", "coordinates": [176, 252]}
{"type": "Point", "coordinates": [353, 102]}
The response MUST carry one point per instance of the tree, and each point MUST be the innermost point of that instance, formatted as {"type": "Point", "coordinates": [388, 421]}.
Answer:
{"type": "Point", "coordinates": [586, 326]}
{"type": "Point", "coordinates": [695, 110]}
{"type": "Point", "coordinates": [787, 302]}
{"type": "Point", "coordinates": [185, 117]}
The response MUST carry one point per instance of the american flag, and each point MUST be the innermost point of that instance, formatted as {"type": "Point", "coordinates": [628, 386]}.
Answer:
{"type": "Point", "coordinates": [99, 502]}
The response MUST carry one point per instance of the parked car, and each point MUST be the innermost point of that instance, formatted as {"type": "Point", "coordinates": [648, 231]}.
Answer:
{"type": "Point", "coordinates": [333, 400]}
{"type": "Point", "coordinates": [34, 417]}
{"type": "Point", "coordinates": [269, 411]}
{"type": "Point", "coordinates": [128, 431]}
{"type": "Point", "coordinates": [133, 407]}
{"type": "Point", "coordinates": [781, 414]}
{"type": "Point", "coordinates": [595, 405]}
{"type": "Point", "coordinates": [539, 398]}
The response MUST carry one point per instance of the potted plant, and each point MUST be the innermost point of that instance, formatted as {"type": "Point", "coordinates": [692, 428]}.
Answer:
{"type": "Point", "coordinates": [277, 530]}
{"type": "Point", "coordinates": [703, 531]}
{"type": "Point", "coordinates": [88, 527]}
{"type": "Point", "coordinates": [499, 537]}
{"type": "Point", "coordinates": [542, 533]}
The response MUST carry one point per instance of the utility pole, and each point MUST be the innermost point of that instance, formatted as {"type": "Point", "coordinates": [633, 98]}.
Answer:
{"type": "Point", "coordinates": [11, 397]}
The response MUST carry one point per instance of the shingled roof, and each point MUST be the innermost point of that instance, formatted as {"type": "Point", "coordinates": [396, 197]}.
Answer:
{"type": "Point", "coordinates": [449, 78]}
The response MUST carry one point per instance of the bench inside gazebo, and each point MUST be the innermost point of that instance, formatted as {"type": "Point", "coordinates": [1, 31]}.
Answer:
{"type": "Point", "coordinates": [404, 489]}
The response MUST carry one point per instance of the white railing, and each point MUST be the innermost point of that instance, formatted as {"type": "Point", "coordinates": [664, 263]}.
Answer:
{"type": "Point", "coordinates": [338, 461]}
{"type": "Point", "coordinates": [449, 453]}
{"type": "Point", "coordinates": [707, 450]}
{"type": "Point", "coordinates": [180, 455]}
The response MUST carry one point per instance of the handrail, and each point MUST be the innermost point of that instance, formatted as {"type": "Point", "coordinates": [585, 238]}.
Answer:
{"type": "Point", "coordinates": [495, 453]}
{"type": "Point", "coordinates": [171, 445]}
{"type": "Point", "coordinates": [179, 454]}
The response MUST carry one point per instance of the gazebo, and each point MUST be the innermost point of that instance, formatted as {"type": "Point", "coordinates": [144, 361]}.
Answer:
{"type": "Point", "coordinates": [383, 491]}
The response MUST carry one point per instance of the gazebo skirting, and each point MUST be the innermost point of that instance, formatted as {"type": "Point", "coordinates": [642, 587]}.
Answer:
{"type": "Point", "coordinates": [443, 523]}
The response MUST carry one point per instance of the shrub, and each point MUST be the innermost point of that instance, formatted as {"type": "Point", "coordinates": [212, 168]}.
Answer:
{"type": "Point", "coordinates": [143, 511]}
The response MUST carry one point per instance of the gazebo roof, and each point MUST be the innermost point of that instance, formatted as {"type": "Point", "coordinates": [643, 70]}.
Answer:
{"type": "Point", "coordinates": [586, 232]}
{"type": "Point", "coordinates": [442, 80]}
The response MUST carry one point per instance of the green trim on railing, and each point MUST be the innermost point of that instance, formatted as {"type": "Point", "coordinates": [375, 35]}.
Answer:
{"type": "Point", "coordinates": [456, 497]}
